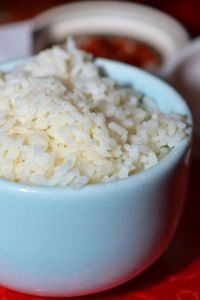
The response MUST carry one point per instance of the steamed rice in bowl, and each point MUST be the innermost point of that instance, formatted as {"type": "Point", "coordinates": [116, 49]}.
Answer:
{"type": "Point", "coordinates": [62, 123]}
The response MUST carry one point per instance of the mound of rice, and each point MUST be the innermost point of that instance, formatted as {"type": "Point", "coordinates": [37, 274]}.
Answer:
{"type": "Point", "coordinates": [61, 123]}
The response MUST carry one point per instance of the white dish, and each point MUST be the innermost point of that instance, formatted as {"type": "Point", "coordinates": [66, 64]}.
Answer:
{"type": "Point", "coordinates": [120, 18]}
{"type": "Point", "coordinates": [183, 72]}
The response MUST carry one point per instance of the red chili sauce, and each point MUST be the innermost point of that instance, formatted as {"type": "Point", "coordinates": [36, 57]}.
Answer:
{"type": "Point", "coordinates": [123, 49]}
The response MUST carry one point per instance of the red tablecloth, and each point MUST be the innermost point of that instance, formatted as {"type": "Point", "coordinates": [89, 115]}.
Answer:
{"type": "Point", "coordinates": [176, 275]}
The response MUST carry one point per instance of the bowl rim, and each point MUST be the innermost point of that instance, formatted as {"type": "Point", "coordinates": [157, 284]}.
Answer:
{"type": "Point", "coordinates": [168, 161]}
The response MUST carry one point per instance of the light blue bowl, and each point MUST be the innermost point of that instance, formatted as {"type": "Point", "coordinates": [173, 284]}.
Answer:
{"type": "Point", "coordinates": [60, 242]}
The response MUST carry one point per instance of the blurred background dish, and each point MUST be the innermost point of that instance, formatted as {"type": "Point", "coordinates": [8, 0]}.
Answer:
{"type": "Point", "coordinates": [183, 72]}
{"type": "Point", "coordinates": [121, 48]}
{"type": "Point", "coordinates": [128, 32]}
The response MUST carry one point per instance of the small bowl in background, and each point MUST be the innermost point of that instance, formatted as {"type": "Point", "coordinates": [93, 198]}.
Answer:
{"type": "Point", "coordinates": [149, 36]}
{"type": "Point", "coordinates": [183, 72]}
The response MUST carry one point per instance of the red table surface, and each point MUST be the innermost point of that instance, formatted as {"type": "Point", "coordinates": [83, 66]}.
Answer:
{"type": "Point", "coordinates": [176, 275]}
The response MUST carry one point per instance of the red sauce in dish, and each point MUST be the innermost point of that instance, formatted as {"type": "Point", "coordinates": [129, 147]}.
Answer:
{"type": "Point", "coordinates": [123, 49]}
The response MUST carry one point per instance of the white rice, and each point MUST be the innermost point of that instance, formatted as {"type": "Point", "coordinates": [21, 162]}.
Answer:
{"type": "Point", "coordinates": [61, 123]}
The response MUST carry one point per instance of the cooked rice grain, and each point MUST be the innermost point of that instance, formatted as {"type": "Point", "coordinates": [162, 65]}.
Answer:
{"type": "Point", "coordinates": [61, 123]}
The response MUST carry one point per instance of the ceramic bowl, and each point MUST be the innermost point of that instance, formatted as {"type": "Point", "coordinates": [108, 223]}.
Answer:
{"type": "Point", "coordinates": [56, 241]}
